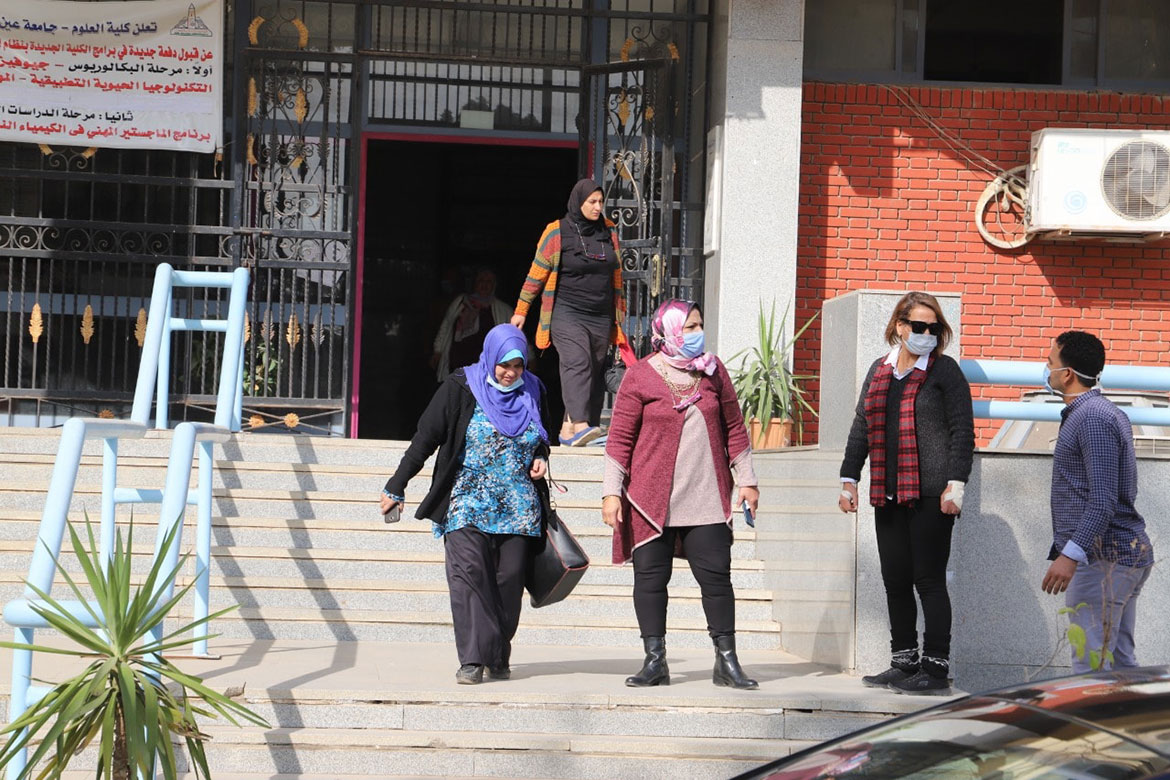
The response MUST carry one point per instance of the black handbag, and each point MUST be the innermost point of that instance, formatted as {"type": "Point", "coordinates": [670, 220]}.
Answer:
{"type": "Point", "coordinates": [615, 371]}
{"type": "Point", "coordinates": [558, 561]}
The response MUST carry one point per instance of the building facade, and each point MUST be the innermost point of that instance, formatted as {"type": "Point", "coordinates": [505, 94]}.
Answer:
{"type": "Point", "coordinates": [909, 111]}
{"type": "Point", "coordinates": [377, 155]}
{"type": "Point", "coordinates": [380, 152]}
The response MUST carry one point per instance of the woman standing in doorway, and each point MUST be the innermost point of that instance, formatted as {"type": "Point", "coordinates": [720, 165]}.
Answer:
{"type": "Point", "coordinates": [914, 422]}
{"type": "Point", "coordinates": [486, 422]}
{"type": "Point", "coordinates": [577, 265]}
{"type": "Point", "coordinates": [677, 436]}
{"type": "Point", "coordinates": [466, 323]}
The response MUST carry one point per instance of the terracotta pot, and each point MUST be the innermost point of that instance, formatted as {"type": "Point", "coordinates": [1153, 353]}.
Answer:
{"type": "Point", "coordinates": [777, 434]}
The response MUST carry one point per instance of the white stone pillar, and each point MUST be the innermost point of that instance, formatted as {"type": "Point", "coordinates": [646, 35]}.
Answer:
{"type": "Point", "coordinates": [753, 166]}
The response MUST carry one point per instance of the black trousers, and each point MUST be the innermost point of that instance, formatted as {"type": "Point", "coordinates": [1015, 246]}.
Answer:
{"type": "Point", "coordinates": [485, 575]}
{"type": "Point", "coordinates": [582, 344]}
{"type": "Point", "coordinates": [914, 545]}
{"type": "Point", "coordinates": [708, 550]}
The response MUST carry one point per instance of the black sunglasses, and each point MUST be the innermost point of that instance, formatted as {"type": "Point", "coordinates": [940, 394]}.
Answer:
{"type": "Point", "coordinates": [585, 250]}
{"type": "Point", "coordinates": [918, 326]}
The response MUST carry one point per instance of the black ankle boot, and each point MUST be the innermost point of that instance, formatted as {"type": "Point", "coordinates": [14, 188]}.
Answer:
{"type": "Point", "coordinates": [727, 671]}
{"type": "Point", "coordinates": [654, 668]}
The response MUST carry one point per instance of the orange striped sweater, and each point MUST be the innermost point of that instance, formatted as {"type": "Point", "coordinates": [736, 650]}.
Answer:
{"type": "Point", "coordinates": [543, 275]}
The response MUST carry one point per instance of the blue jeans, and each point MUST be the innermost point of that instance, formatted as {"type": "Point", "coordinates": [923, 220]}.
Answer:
{"type": "Point", "coordinates": [1109, 592]}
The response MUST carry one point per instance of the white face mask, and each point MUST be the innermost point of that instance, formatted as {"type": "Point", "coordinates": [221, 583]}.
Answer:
{"type": "Point", "coordinates": [1048, 376]}
{"type": "Point", "coordinates": [921, 343]}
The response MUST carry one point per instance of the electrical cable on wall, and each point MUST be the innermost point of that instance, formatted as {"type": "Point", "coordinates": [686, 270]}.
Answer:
{"type": "Point", "coordinates": [1004, 194]}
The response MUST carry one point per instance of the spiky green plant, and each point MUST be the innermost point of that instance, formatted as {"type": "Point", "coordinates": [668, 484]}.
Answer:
{"type": "Point", "coordinates": [129, 699]}
{"type": "Point", "coordinates": [764, 381]}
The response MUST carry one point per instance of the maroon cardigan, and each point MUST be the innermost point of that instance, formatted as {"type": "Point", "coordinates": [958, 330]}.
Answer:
{"type": "Point", "coordinates": [644, 435]}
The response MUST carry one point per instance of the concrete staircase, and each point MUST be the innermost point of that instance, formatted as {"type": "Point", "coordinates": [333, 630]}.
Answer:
{"type": "Point", "coordinates": [344, 641]}
{"type": "Point", "coordinates": [809, 547]}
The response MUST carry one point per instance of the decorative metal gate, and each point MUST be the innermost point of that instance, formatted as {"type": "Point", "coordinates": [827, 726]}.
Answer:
{"type": "Point", "coordinates": [295, 166]}
{"type": "Point", "coordinates": [628, 130]}
{"type": "Point", "coordinates": [80, 233]}
{"type": "Point", "coordinates": [82, 229]}
{"type": "Point", "coordinates": [627, 147]}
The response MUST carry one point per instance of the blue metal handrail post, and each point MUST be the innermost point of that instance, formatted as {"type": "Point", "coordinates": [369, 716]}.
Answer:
{"type": "Point", "coordinates": [227, 414]}
{"type": "Point", "coordinates": [163, 393]}
{"type": "Point", "coordinates": [148, 369]}
{"type": "Point", "coordinates": [109, 505]}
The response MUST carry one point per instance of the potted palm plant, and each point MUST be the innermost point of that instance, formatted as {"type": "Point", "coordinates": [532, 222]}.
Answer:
{"type": "Point", "coordinates": [129, 702]}
{"type": "Point", "coordinates": [770, 394]}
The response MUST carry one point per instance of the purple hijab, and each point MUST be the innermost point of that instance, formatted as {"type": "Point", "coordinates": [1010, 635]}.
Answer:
{"type": "Point", "coordinates": [510, 413]}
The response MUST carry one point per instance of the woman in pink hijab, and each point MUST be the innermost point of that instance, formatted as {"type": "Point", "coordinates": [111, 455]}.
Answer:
{"type": "Point", "coordinates": [676, 437]}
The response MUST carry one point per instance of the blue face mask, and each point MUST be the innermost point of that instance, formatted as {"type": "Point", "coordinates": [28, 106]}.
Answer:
{"type": "Point", "coordinates": [506, 389]}
{"type": "Point", "coordinates": [694, 344]}
{"type": "Point", "coordinates": [921, 343]}
{"type": "Point", "coordinates": [1047, 376]}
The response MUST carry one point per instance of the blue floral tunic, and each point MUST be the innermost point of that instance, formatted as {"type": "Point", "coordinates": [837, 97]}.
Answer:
{"type": "Point", "coordinates": [493, 491]}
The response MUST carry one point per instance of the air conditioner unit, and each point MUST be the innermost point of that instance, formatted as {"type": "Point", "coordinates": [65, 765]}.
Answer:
{"type": "Point", "coordinates": [1112, 184]}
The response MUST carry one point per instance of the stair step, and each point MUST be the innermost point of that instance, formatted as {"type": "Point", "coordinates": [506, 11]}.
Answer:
{"type": "Point", "coordinates": [368, 533]}
{"type": "Point", "coordinates": [537, 627]}
{"type": "Point", "coordinates": [277, 448]}
{"type": "Point", "coordinates": [330, 564]}
{"type": "Point", "coordinates": [468, 754]}
{"type": "Point", "coordinates": [305, 476]}
{"type": "Point", "coordinates": [27, 501]}
{"type": "Point", "coordinates": [433, 597]}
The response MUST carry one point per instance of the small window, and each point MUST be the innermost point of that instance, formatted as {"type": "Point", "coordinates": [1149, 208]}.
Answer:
{"type": "Point", "coordinates": [1116, 44]}
{"type": "Point", "coordinates": [1136, 40]}
{"type": "Point", "coordinates": [994, 41]}
{"type": "Point", "coordinates": [850, 35]}
{"type": "Point", "coordinates": [1082, 41]}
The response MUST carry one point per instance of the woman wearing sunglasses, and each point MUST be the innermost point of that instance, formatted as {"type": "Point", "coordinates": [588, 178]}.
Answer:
{"type": "Point", "coordinates": [914, 423]}
{"type": "Point", "coordinates": [578, 268]}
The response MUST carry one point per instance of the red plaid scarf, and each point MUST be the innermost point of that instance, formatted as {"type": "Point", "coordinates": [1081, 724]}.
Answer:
{"type": "Point", "coordinates": [875, 417]}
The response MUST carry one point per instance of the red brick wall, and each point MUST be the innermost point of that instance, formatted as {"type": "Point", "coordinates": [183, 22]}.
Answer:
{"type": "Point", "coordinates": [885, 203]}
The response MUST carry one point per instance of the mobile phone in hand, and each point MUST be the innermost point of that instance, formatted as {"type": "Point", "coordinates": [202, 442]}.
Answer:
{"type": "Point", "coordinates": [394, 515]}
{"type": "Point", "coordinates": [748, 517]}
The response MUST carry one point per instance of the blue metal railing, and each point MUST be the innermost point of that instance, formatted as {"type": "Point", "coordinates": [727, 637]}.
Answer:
{"type": "Point", "coordinates": [1031, 374]}
{"type": "Point", "coordinates": [153, 376]}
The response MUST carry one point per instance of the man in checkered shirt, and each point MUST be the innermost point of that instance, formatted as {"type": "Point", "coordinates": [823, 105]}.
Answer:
{"type": "Point", "coordinates": [1101, 555]}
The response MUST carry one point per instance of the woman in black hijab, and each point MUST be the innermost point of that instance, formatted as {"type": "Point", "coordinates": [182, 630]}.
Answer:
{"type": "Point", "coordinates": [578, 276]}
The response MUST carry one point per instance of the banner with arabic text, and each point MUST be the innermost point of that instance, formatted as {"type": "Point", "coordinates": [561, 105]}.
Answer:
{"type": "Point", "coordinates": [144, 74]}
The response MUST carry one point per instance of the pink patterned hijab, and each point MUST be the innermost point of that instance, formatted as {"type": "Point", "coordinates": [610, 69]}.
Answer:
{"type": "Point", "coordinates": [666, 337]}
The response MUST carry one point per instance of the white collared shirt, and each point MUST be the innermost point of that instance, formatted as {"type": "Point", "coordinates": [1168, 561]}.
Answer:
{"type": "Point", "coordinates": [892, 360]}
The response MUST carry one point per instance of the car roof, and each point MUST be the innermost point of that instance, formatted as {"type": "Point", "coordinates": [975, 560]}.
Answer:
{"type": "Point", "coordinates": [1132, 705]}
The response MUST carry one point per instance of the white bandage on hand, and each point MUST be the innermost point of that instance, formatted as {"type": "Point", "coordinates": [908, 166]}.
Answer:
{"type": "Point", "coordinates": [955, 490]}
{"type": "Point", "coordinates": [846, 495]}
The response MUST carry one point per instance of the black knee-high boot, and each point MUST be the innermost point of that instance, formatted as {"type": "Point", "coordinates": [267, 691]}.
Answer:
{"type": "Point", "coordinates": [727, 670]}
{"type": "Point", "coordinates": [654, 669]}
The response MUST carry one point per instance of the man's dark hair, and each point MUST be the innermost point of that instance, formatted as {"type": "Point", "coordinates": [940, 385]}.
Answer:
{"type": "Point", "coordinates": [1083, 353]}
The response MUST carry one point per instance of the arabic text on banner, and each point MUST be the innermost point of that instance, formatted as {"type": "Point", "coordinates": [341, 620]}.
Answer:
{"type": "Point", "coordinates": [143, 74]}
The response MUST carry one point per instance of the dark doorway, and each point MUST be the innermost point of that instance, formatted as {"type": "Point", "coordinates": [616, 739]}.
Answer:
{"type": "Point", "coordinates": [435, 215]}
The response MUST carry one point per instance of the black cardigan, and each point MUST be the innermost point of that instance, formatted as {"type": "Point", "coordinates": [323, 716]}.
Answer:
{"type": "Point", "coordinates": [443, 426]}
{"type": "Point", "coordinates": [943, 421]}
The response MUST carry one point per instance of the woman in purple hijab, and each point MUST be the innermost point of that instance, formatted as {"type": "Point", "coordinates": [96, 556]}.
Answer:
{"type": "Point", "coordinates": [487, 422]}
